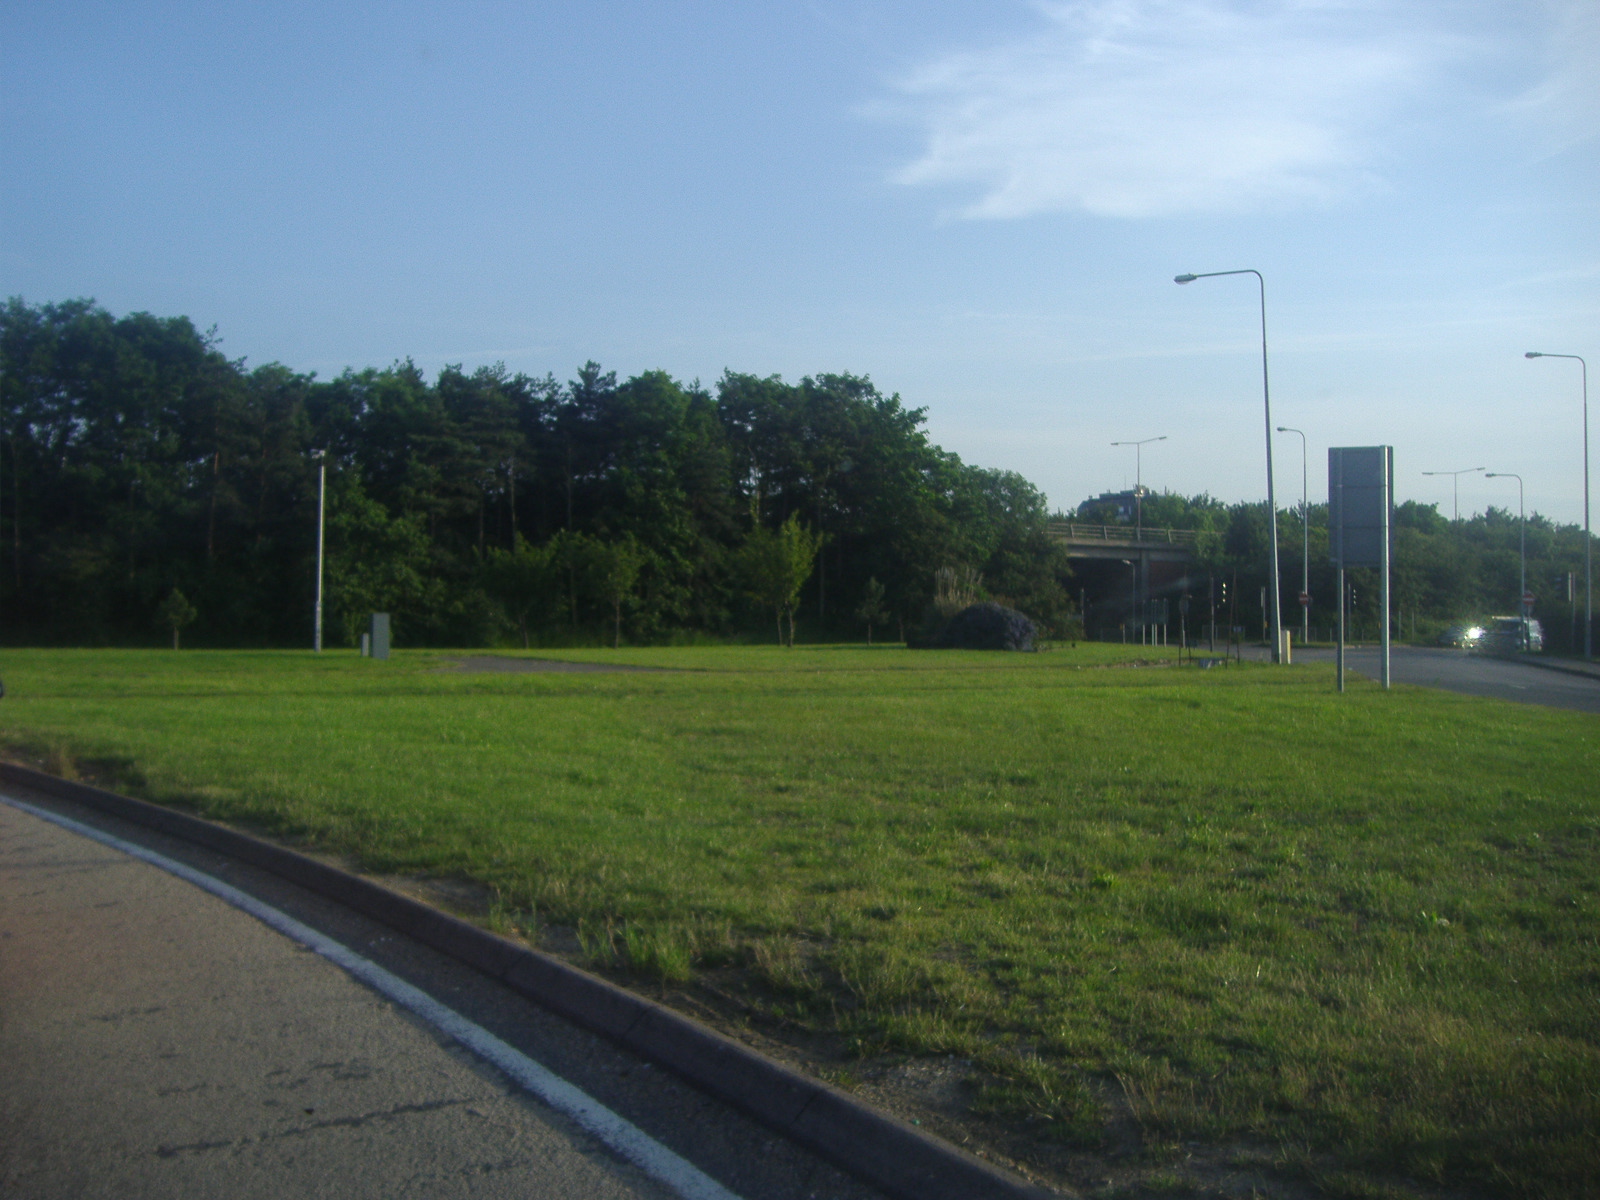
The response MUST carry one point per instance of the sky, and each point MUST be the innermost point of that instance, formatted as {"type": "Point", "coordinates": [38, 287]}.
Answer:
{"type": "Point", "coordinates": [981, 206]}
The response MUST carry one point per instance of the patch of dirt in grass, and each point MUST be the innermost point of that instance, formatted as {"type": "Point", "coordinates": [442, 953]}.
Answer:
{"type": "Point", "coordinates": [496, 663]}
{"type": "Point", "coordinates": [460, 897]}
{"type": "Point", "coordinates": [56, 758]}
{"type": "Point", "coordinates": [1127, 664]}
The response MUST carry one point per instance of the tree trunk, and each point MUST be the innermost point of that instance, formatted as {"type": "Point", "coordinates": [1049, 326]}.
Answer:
{"type": "Point", "coordinates": [569, 483]}
{"type": "Point", "coordinates": [174, 637]}
{"type": "Point", "coordinates": [616, 629]}
{"type": "Point", "coordinates": [211, 518]}
{"type": "Point", "coordinates": [16, 517]}
{"type": "Point", "coordinates": [779, 612]}
{"type": "Point", "coordinates": [511, 492]}
{"type": "Point", "coordinates": [822, 575]}
{"type": "Point", "coordinates": [261, 505]}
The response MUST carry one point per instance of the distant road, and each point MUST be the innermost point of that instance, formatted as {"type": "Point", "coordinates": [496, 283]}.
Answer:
{"type": "Point", "coordinates": [1472, 675]}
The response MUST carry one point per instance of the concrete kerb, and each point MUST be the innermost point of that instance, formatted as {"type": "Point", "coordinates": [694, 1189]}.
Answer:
{"type": "Point", "coordinates": [882, 1150]}
{"type": "Point", "coordinates": [1582, 670]}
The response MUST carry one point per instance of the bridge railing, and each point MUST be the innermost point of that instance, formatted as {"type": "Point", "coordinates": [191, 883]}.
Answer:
{"type": "Point", "coordinates": [1071, 531]}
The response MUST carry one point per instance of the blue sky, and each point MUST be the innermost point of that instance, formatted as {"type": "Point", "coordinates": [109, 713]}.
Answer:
{"type": "Point", "coordinates": [980, 205]}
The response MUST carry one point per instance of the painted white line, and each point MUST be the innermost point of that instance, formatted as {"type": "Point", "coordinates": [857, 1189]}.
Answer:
{"type": "Point", "coordinates": [624, 1137]}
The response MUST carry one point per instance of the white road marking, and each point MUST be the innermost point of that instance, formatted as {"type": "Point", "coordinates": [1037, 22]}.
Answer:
{"type": "Point", "coordinates": [624, 1137]}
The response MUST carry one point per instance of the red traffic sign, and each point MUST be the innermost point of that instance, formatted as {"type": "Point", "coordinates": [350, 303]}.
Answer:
{"type": "Point", "coordinates": [1305, 599]}
{"type": "Point", "coordinates": [1528, 597]}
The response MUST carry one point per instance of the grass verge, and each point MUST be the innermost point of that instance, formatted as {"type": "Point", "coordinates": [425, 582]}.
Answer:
{"type": "Point", "coordinates": [1147, 923]}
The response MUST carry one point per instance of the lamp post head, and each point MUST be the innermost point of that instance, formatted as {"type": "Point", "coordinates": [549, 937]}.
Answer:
{"type": "Point", "coordinates": [1534, 354]}
{"type": "Point", "coordinates": [1184, 278]}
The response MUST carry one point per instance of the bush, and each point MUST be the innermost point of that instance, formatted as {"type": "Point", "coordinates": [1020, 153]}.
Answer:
{"type": "Point", "coordinates": [986, 626]}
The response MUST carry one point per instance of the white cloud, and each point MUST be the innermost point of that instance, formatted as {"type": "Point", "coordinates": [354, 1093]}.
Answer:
{"type": "Point", "coordinates": [1141, 108]}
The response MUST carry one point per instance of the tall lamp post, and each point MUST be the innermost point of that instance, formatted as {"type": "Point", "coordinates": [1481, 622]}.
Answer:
{"type": "Point", "coordinates": [1522, 537]}
{"type": "Point", "coordinates": [1305, 540]}
{"type": "Point", "coordinates": [322, 507]}
{"type": "Point", "coordinates": [1455, 488]}
{"type": "Point", "coordinates": [1138, 482]}
{"type": "Point", "coordinates": [1266, 402]}
{"type": "Point", "coordinates": [1588, 542]}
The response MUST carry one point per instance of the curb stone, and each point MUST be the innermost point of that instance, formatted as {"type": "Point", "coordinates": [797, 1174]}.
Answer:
{"type": "Point", "coordinates": [1545, 664]}
{"type": "Point", "coordinates": [901, 1160]}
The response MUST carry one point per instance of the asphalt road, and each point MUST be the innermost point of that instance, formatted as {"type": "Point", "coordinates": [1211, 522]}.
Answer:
{"type": "Point", "coordinates": [1472, 675]}
{"type": "Point", "coordinates": [156, 1040]}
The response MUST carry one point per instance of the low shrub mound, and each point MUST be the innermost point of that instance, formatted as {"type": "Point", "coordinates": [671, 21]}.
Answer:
{"type": "Point", "coordinates": [986, 626]}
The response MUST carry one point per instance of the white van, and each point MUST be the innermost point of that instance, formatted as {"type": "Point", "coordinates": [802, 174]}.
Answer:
{"type": "Point", "coordinates": [1512, 635]}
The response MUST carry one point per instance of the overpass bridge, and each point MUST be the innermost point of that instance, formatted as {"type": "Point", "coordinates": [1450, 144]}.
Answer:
{"type": "Point", "coordinates": [1120, 568]}
{"type": "Point", "coordinates": [1121, 541]}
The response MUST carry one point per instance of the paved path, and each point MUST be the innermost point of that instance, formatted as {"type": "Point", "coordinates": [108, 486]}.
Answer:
{"type": "Point", "coordinates": [157, 1041]}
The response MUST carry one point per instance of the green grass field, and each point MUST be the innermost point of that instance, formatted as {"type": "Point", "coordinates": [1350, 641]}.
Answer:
{"type": "Point", "coordinates": [1345, 942]}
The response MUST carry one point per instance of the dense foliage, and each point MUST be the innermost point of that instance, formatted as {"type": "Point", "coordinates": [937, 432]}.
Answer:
{"type": "Point", "coordinates": [136, 459]}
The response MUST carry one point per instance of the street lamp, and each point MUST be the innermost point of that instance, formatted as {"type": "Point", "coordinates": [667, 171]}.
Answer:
{"type": "Point", "coordinates": [1588, 543]}
{"type": "Point", "coordinates": [1266, 402]}
{"type": "Point", "coordinates": [1455, 488]}
{"type": "Point", "coordinates": [1305, 532]}
{"type": "Point", "coordinates": [322, 495]}
{"type": "Point", "coordinates": [1138, 482]}
{"type": "Point", "coordinates": [1522, 537]}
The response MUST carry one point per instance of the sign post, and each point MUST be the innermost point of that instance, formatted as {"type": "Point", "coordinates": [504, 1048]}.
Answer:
{"type": "Point", "coordinates": [1361, 529]}
{"type": "Point", "coordinates": [378, 635]}
{"type": "Point", "coordinates": [1341, 630]}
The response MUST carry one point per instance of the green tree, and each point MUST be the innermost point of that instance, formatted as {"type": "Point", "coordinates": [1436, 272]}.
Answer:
{"type": "Point", "coordinates": [615, 570]}
{"type": "Point", "coordinates": [572, 554]}
{"type": "Point", "coordinates": [871, 609]}
{"type": "Point", "coordinates": [378, 562]}
{"type": "Point", "coordinates": [1005, 526]}
{"type": "Point", "coordinates": [775, 564]}
{"type": "Point", "coordinates": [177, 613]}
{"type": "Point", "coordinates": [524, 579]}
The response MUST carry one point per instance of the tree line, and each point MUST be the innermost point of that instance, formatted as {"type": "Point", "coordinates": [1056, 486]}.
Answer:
{"type": "Point", "coordinates": [149, 483]}
{"type": "Point", "coordinates": [139, 463]}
